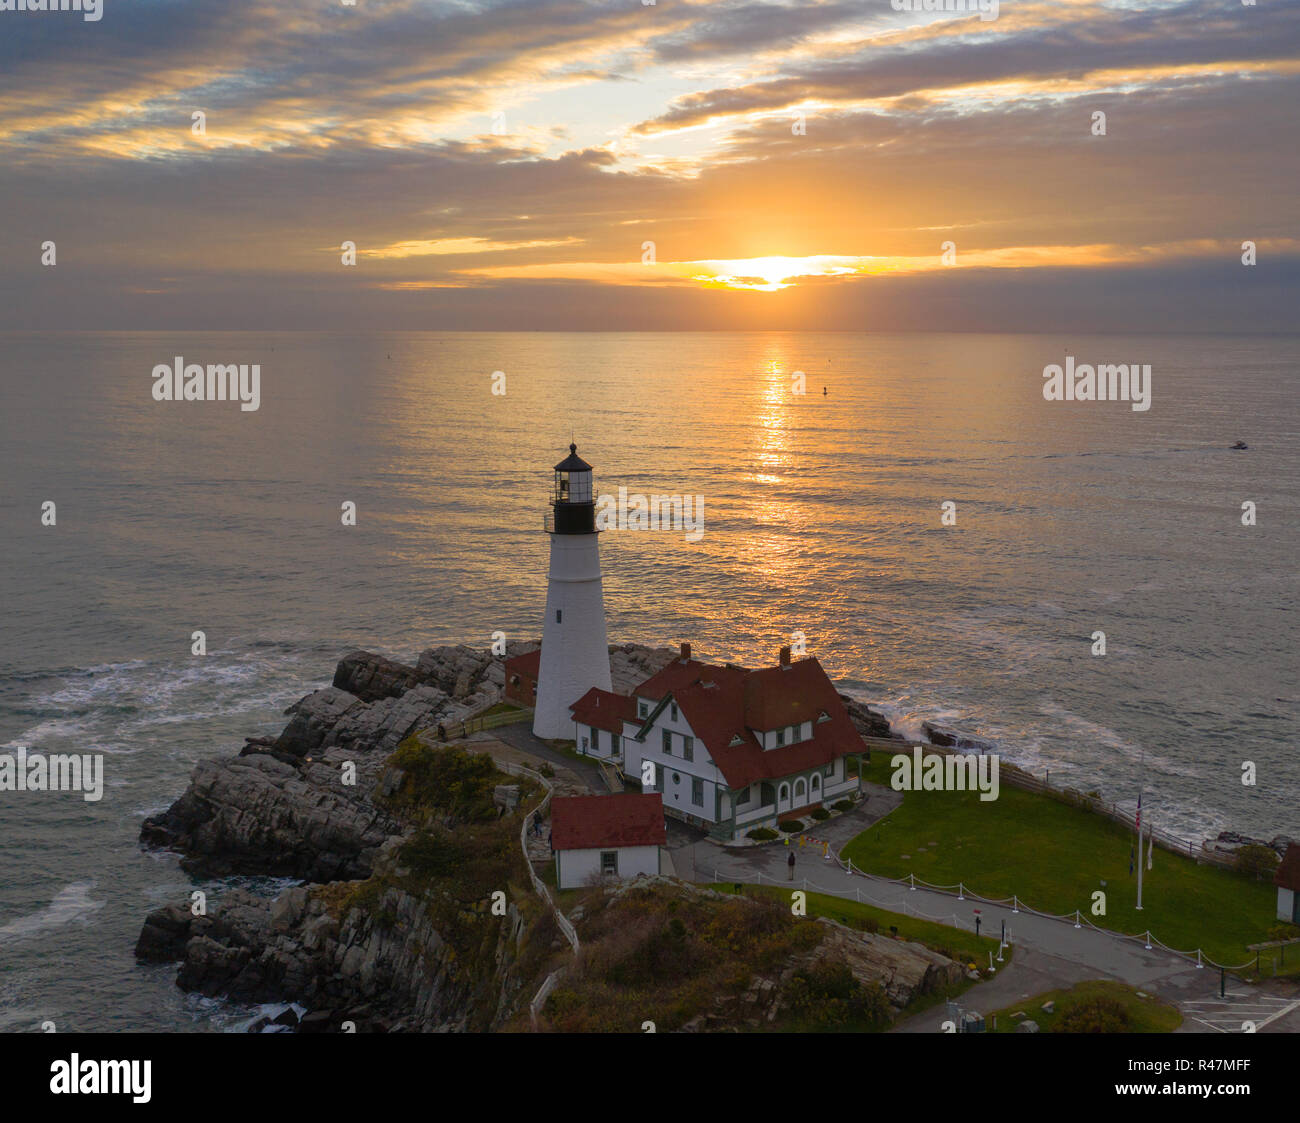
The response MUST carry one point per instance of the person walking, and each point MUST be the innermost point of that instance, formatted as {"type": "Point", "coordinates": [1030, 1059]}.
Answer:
{"type": "Point", "coordinates": [790, 862]}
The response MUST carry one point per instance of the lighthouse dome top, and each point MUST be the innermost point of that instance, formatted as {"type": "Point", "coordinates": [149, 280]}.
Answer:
{"type": "Point", "coordinates": [573, 462]}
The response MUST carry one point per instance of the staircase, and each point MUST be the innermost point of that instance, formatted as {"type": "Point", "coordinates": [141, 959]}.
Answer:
{"type": "Point", "coordinates": [610, 775]}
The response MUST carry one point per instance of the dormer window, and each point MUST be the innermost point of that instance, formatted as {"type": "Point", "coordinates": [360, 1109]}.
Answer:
{"type": "Point", "coordinates": [736, 739]}
{"type": "Point", "coordinates": [823, 716]}
{"type": "Point", "coordinates": [780, 738]}
{"type": "Point", "coordinates": [673, 708]}
{"type": "Point", "coordinates": [642, 708]}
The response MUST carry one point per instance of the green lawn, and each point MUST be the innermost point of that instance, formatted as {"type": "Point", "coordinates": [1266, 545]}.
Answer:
{"type": "Point", "coordinates": [965, 947]}
{"type": "Point", "coordinates": [1145, 1015]}
{"type": "Point", "coordinates": [1053, 857]}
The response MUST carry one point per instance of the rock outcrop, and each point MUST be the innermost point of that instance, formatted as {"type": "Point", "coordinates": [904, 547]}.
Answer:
{"type": "Point", "coordinates": [257, 814]}
{"type": "Point", "coordinates": [866, 721]}
{"type": "Point", "coordinates": [300, 805]}
{"type": "Point", "coordinates": [385, 967]}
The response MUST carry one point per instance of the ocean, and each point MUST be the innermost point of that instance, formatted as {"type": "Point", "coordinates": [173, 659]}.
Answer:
{"type": "Point", "coordinates": [823, 521]}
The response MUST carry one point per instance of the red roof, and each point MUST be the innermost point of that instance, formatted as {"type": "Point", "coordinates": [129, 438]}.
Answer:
{"type": "Point", "coordinates": [725, 714]}
{"type": "Point", "coordinates": [604, 710]}
{"type": "Point", "coordinates": [1288, 873]}
{"type": "Point", "coordinates": [526, 664]}
{"type": "Point", "coordinates": [681, 673]}
{"type": "Point", "coordinates": [590, 822]}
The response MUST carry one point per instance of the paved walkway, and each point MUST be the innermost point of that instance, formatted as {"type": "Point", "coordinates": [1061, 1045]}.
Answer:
{"type": "Point", "coordinates": [521, 737]}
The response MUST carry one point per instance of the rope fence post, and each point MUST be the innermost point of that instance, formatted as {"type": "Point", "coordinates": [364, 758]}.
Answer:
{"type": "Point", "coordinates": [1076, 919]}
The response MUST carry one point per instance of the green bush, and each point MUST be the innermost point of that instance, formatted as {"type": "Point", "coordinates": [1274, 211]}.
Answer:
{"type": "Point", "coordinates": [1257, 862]}
{"type": "Point", "coordinates": [451, 781]}
{"type": "Point", "coordinates": [821, 813]}
{"type": "Point", "coordinates": [1093, 1015]}
{"type": "Point", "coordinates": [791, 826]}
{"type": "Point", "coordinates": [762, 834]}
{"type": "Point", "coordinates": [829, 995]}
{"type": "Point", "coordinates": [843, 805]}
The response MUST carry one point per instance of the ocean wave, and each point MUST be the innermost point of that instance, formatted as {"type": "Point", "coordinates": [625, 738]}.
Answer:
{"type": "Point", "coordinates": [71, 903]}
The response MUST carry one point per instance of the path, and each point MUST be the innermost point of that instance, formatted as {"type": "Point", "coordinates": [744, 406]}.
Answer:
{"type": "Point", "coordinates": [523, 738]}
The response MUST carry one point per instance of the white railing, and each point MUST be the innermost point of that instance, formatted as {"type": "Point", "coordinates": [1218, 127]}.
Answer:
{"type": "Point", "coordinates": [570, 933]}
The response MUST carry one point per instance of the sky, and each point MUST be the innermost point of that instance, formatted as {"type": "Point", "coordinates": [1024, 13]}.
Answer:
{"type": "Point", "coordinates": [677, 165]}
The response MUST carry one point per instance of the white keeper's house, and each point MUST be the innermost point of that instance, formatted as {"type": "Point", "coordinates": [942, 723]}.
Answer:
{"type": "Point", "coordinates": [731, 749]}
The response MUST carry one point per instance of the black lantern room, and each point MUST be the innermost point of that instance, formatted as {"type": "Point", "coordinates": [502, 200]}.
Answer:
{"type": "Point", "coordinates": [574, 502]}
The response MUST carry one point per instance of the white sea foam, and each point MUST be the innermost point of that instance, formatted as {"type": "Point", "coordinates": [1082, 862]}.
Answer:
{"type": "Point", "coordinates": [70, 904]}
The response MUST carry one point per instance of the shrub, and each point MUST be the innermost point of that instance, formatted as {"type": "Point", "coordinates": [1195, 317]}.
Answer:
{"type": "Point", "coordinates": [791, 826]}
{"type": "Point", "coordinates": [546, 770]}
{"type": "Point", "coordinates": [1093, 1015]}
{"type": "Point", "coordinates": [451, 781]}
{"type": "Point", "coordinates": [843, 805]}
{"type": "Point", "coordinates": [1256, 862]}
{"type": "Point", "coordinates": [762, 834]}
{"type": "Point", "coordinates": [828, 994]}
{"type": "Point", "coordinates": [821, 813]}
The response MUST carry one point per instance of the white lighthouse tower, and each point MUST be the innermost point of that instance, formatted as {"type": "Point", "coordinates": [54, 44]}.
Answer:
{"type": "Point", "coordinates": [575, 649]}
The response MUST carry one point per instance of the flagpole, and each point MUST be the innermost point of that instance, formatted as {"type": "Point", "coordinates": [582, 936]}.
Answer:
{"type": "Point", "coordinates": [1141, 777]}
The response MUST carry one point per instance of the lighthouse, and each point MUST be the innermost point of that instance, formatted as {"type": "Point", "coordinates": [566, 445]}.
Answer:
{"type": "Point", "coordinates": [575, 649]}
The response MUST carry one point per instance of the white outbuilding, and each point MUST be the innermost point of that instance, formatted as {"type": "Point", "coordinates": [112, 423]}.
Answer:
{"type": "Point", "coordinates": [606, 836]}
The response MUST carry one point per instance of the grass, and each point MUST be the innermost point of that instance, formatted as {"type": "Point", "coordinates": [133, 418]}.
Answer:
{"type": "Point", "coordinates": [1054, 857]}
{"type": "Point", "coordinates": [1145, 1015]}
{"type": "Point", "coordinates": [500, 708]}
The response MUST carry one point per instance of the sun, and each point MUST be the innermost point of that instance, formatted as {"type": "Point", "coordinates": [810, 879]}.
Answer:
{"type": "Point", "coordinates": [771, 274]}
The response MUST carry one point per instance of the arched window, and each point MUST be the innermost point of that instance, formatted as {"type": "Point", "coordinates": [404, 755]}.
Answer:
{"type": "Point", "coordinates": [800, 789]}
{"type": "Point", "coordinates": [783, 795]}
{"type": "Point", "coordinates": [816, 784]}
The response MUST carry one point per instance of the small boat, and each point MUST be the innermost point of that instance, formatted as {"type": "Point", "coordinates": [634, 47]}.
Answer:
{"type": "Point", "coordinates": [1241, 444]}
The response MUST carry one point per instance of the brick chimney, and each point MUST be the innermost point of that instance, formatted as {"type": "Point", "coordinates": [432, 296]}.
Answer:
{"type": "Point", "coordinates": [785, 656]}
{"type": "Point", "coordinates": [686, 652]}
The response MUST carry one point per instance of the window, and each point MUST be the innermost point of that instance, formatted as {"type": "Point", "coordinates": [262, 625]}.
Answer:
{"type": "Point", "coordinates": [559, 613]}
{"type": "Point", "coordinates": [742, 797]}
{"type": "Point", "coordinates": [688, 748]}
{"type": "Point", "coordinates": [668, 743]}
{"type": "Point", "coordinates": [780, 738]}
{"type": "Point", "coordinates": [613, 743]}
{"type": "Point", "coordinates": [697, 792]}
{"type": "Point", "coordinates": [641, 708]}
{"type": "Point", "coordinates": [674, 711]}
{"type": "Point", "coordinates": [609, 861]}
